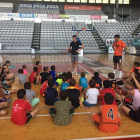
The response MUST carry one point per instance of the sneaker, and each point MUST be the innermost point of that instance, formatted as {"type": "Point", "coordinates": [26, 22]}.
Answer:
{"type": "Point", "coordinates": [35, 83]}
{"type": "Point", "coordinates": [73, 72]}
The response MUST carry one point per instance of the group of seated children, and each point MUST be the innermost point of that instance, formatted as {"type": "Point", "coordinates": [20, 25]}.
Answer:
{"type": "Point", "coordinates": [62, 92]}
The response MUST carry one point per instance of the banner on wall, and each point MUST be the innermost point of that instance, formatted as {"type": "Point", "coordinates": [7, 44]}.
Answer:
{"type": "Point", "coordinates": [94, 17]}
{"type": "Point", "coordinates": [23, 15]}
{"type": "Point", "coordinates": [63, 16]}
{"type": "Point", "coordinates": [2, 15]}
{"type": "Point", "coordinates": [51, 16]}
{"type": "Point", "coordinates": [136, 42]}
{"type": "Point", "coordinates": [79, 17]}
{"type": "Point", "coordinates": [40, 16]}
{"type": "Point", "coordinates": [79, 7]}
{"type": "Point", "coordinates": [13, 15]}
{"type": "Point", "coordinates": [109, 42]}
{"type": "Point", "coordinates": [39, 6]}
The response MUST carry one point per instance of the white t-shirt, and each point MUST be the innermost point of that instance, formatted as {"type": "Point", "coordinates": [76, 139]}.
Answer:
{"type": "Point", "coordinates": [92, 94]}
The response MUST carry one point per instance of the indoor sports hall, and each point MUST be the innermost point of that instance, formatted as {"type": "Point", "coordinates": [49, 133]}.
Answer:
{"type": "Point", "coordinates": [92, 46]}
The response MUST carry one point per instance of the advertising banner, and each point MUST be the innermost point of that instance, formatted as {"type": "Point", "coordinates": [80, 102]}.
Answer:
{"type": "Point", "coordinates": [79, 17]}
{"type": "Point", "coordinates": [94, 17]}
{"type": "Point", "coordinates": [136, 42]}
{"type": "Point", "coordinates": [38, 6]}
{"type": "Point", "coordinates": [13, 15]}
{"type": "Point", "coordinates": [79, 7]}
{"type": "Point", "coordinates": [109, 42]}
{"type": "Point", "coordinates": [64, 16]}
{"type": "Point", "coordinates": [3, 15]}
{"type": "Point", "coordinates": [23, 15]}
{"type": "Point", "coordinates": [51, 16]}
{"type": "Point", "coordinates": [40, 16]}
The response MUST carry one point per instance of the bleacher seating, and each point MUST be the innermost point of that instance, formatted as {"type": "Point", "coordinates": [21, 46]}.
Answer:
{"type": "Point", "coordinates": [124, 29]}
{"type": "Point", "coordinates": [56, 37]}
{"type": "Point", "coordinates": [6, 9]}
{"type": "Point", "coordinates": [38, 11]}
{"type": "Point", "coordinates": [84, 12]}
{"type": "Point", "coordinates": [16, 35]}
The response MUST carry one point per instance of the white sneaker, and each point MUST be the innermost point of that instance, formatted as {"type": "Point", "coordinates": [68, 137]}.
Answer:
{"type": "Point", "coordinates": [73, 72]}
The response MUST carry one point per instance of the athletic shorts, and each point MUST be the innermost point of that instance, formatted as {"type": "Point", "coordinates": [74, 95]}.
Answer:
{"type": "Point", "coordinates": [74, 58]}
{"type": "Point", "coordinates": [29, 117]}
{"type": "Point", "coordinates": [96, 118]}
{"type": "Point", "coordinates": [117, 59]}
{"type": "Point", "coordinates": [3, 99]}
{"type": "Point", "coordinates": [134, 115]}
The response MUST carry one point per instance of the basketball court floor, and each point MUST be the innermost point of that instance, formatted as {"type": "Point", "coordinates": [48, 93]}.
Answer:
{"type": "Point", "coordinates": [42, 127]}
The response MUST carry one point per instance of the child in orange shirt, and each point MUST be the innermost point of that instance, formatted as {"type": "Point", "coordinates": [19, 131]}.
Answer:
{"type": "Point", "coordinates": [108, 117]}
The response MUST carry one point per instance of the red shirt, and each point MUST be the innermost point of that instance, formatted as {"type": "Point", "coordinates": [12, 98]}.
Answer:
{"type": "Point", "coordinates": [108, 90]}
{"type": "Point", "coordinates": [39, 69]}
{"type": "Point", "coordinates": [19, 111]}
{"type": "Point", "coordinates": [44, 87]}
{"type": "Point", "coordinates": [32, 78]}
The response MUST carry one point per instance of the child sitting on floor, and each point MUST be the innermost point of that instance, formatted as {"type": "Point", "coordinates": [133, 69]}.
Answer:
{"type": "Point", "coordinates": [59, 80]}
{"type": "Point", "coordinates": [133, 114]}
{"type": "Point", "coordinates": [99, 80]}
{"type": "Point", "coordinates": [83, 81]}
{"type": "Point", "coordinates": [44, 86]}
{"type": "Point", "coordinates": [22, 78]}
{"type": "Point", "coordinates": [107, 89]}
{"type": "Point", "coordinates": [62, 111]}
{"type": "Point", "coordinates": [91, 94]}
{"type": "Point", "coordinates": [24, 67]}
{"type": "Point", "coordinates": [74, 95]}
{"type": "Point", "coordinates": [38, 65]}
{"type": "Point", "coordinates": [30, 94]}
{"type": "Point", "coordinates": [108, 117]}
{"type": "Point", "coordinates": [65, 83]}
{"type": "Point", "coordinates": [44, 74]}
{"type": "Point", "coordinates": [132, 99]}
{"type": "Point", "coordinates": [53, 72]}
{"type": "Point", "coordinates": [34, 77]}
{"type": "Point", "coordinates": [51, 95]}
{"type": "Point", "coordinates": [20, 107]}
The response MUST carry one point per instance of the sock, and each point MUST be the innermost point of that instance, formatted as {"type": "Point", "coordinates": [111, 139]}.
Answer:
{"type": "Point", "coordinates": [120, 73]}
{"type": "Point", "coordinates": [114, 71]}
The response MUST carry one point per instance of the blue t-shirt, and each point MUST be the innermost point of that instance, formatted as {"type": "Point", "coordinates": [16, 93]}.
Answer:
{"type": "Point", "coordinates": [64, 86]}
{"type": "Point", "coordinates": [50, 96]}
{"type": "Point", "coordinates": [52, 73]}
{"type": "Point", "coordinates": [83, 82]}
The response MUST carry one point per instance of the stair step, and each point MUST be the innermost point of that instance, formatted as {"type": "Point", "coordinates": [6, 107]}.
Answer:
{"type": "Point", "coordinates": [102, 46]}
{"type": "Point", "coordinates": [35, 41]}
{"type": "Point", "coordinates": [36, 38]}
{"type": "Point", "coordinates": [99, 41]}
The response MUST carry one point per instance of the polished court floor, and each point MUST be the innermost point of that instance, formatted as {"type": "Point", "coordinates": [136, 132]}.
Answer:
{"type": "Point", "coordinates": [42, 127]}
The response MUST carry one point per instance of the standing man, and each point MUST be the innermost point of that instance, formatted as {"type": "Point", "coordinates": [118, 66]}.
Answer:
{"type": "Point", "coordinates": [119, 47]}
{"type": "Point", "coordinates": [75, 49]}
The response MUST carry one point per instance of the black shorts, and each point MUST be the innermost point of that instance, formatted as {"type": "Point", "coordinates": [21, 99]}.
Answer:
{"type": "Point", "coordinates": [117, 59]}
{"type": "Point", "coordinates": [134, 115]}
{"type": "Point", "coordinates": [29, 117]}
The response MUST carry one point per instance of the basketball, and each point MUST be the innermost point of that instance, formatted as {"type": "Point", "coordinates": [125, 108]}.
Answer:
{"type": "Point", "coordinates": [69, 50]}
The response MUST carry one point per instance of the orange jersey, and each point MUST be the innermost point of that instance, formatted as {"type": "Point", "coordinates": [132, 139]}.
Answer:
{"type": "Point", "coordinates": [109, 120]}
{"type": "Point", "coordinates": [118, 46]}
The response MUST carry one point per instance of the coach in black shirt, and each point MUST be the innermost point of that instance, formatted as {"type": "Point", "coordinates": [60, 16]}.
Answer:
{"type": "Point", "coordinates": [74, 52]}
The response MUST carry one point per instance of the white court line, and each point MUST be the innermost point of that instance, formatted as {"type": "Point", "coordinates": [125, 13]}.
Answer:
{"type": "Point", "coordinates": [48, 115]}
{"type": "Point", "coordinates": [85, 69]}
{"type": "Point", "coordinates": [113, 137]}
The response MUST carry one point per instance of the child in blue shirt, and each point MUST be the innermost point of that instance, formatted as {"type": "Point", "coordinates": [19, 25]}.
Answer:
{"type": "Point", "coordinates": [83, 81]}
{"type": "Point", "coordinates": [53, 72]}
{"type": "Point", "coordinates": [65, 83]}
